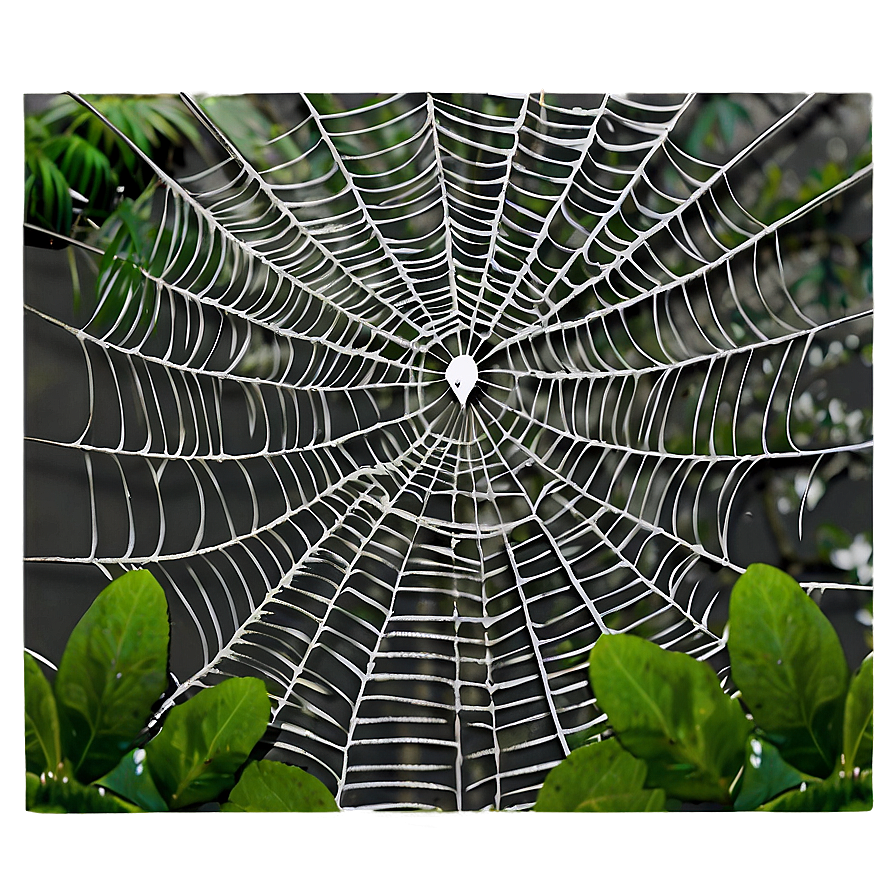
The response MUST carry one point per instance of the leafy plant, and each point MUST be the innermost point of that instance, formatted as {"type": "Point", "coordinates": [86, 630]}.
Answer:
{"type": "Point", "coordinates": [77, 166]}
{"type": "Point", "coordinates": [715, 125]}
{"type": "Point", "coordinates": [799, 738]}
{"type": "Point", "coordinates": [86, 746]}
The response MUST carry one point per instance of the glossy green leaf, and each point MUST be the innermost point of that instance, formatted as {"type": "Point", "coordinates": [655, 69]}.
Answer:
{"type": "Point", "coordinates": [787, 661]}
{"type": "Point", "coordinates": [834, 794]}
{"type": "Point", "coordinates": [267, 786]}
{"type": "Point", "coordinates": [765, 775]}
{"type": "Point", "coordinates": [669, 710]}
{"type": "Point", "coordinates": [601, 777]}
{"type": "Point", "coordinates": [112, 671]}
{"type": "Point", "coordinates": [43, 751]}
{"type": "Point", "coordinates": [858, 719]}
{"type": "Point", "coordinates": [132, 780]}
{"type": "Point", "coordinates": [62, 793]}
{"type": "Point", "coordinates": [205, 740]}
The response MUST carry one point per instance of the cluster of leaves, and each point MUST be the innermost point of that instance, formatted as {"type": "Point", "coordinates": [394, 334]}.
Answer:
{"type": "Point", "coordinates": [87, 746]}
{"type": "Point", "coordinates": [77, 167]}
{"type": "Point", "coordinates": [83, 179]}
{"type": "Point", "coordinates": [799, 738]}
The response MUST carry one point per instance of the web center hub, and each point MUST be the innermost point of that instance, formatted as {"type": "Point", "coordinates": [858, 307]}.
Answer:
{"type": "Point", "coordinates": [462, 375]}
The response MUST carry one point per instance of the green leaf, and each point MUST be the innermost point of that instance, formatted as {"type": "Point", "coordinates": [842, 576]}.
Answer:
{"type": "Point", "coordinates": [787, 661]}
{"type": "Point", "coordinates": [205, 740]}
{"type": "Point", "coordinates": [122, 291]}
{"type": "Point", "coordinates": [60, 792]}
{"type": "Point", "coordinates": [645, 801]}
{"type": "Point", "coordinates": [85, 168]}
{"type": "Point", "coordinates": [112, 671]}
{"type": "Point", "coordinates": [669, 710]}
{"type": "Point", "coordinates": [599, 777]}
{"type": "Point", "coordinates": [699, 133]}
{"type": "Point", "coordinates": [582, 738]}
{"type": "Point", "coordinates": [267, 786]}
{"type": "Point", "coordinates": [834, 794]}
{"type": "Point", "coordinates": [131, 779]}
{"type": "Point", "coordinates": [729, 112]}
{"type": "Point", "coordinates": [170, 117]}
{"type": "Point", "coordinates": [43, 750]}
{"type": "Point", "coordinates": [766, 775]}
{"type": "Point", "coordinates": [858, 718]}
{"type": "Point", "coordinates": [250, 129]}
{"type": "Point", "coordinates": [32, 787]}
{"type": "Point", "coordinates": [48, 202]}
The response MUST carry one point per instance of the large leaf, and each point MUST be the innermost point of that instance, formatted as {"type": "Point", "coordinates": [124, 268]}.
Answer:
{"type": "Point", "coordinates": [132, 780]}
{"type": "Point", "coordinates": [112, 671]}
{"type": "Point", "coordinates": [42, 744]}
{"type": "Point", "coordinates": [858, 721]}
{"type": "Point", "coordinates": [669, 710]}
{"type": "Point", "coordinates": [601, 777]}
{"type": "Point", "coordinates": [267, 786]}
{"type": "Point", "coordinates": [765, 775]}
{"type": "Point", "coordinates": [205, 740]}
{"type": "Point", "coordinates": [790, 668]}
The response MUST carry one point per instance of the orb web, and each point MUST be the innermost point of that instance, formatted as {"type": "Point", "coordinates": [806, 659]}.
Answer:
{"type": "Point", "coordinates": [410, 405]}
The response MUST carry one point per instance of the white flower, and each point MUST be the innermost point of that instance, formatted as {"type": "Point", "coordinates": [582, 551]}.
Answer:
{"type": "Point", "coordinates": [857, 556]}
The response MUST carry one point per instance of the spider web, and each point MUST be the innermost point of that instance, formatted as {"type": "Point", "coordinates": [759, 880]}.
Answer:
{"type": "Point", "coordinates": [266, 422]}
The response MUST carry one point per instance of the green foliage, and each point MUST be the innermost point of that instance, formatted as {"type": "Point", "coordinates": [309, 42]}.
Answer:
{"type": "Point", "coordinates": [205, 740]}
{"type": "Point", "coordinates": [59, 792]}
{"type": "Point", "coordinates": [600, 777]}
{"type": "Point", "coordinates": [132, 780]}
{"type": "Point", "coordinates": [765, 774]}
{"type": "Point", "coordinates": [789, 665]}
{"type": "Point", "coordinates": [668, 710]}
{"type": "Point", "coordinates": [714, 127]}
{"type": "Point", "coordinates": [146, 120]}
{"type": "Point", "coordinates": [267, 786]}
{"type": "Point", "coordinates": [48, 200]}
{"type": "Point", "coordinates": [85, 180]}
{"type": "Point", "coordinates": [67, 148]}
{"type": "Point", "coordinates": [123, 293]}
{"type": "Point", "coordinates": [112, 671]}
{"type": "Point", "coordinates": [858, 719]}
{"type": "Point", "coordinates": [250, 128]}
{"type": "Point", "coordinates": [839, 793]}
{"type": "Point", "coordinates": [85, 748]}
{"type": "Point", "coordinates": [85, 170]}
{"type": "Point", "coordinates": [798, 739]}
{"type": "Point", "coordinates": [42, 741]}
